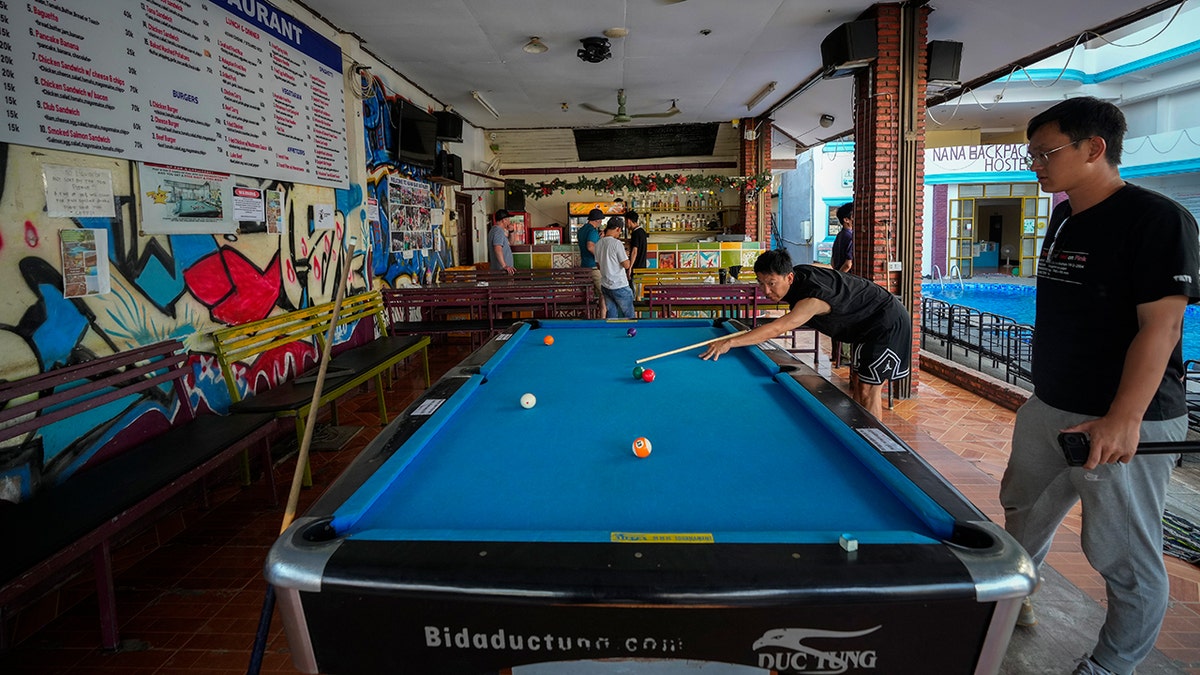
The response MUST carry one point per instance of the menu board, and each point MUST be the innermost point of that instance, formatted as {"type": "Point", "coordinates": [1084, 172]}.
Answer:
{"type": "Point", "coordinates": [235, 86]}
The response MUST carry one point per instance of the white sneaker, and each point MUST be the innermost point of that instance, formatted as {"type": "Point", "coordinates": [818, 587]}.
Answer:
{"type": "Point", "coordinates": [1087, 666]}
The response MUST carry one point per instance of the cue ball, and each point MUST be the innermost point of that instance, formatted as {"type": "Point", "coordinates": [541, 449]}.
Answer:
{"type": "Point", "coordinates": [637, 372]}
{"type": "Point", "coordinates": [528, 401]}
{"type": "Point", "coordinates": [641, 447]}
{"type": "Point", "coordinates": [632, 332]}
{"type": "Point", "coordinates": [549, 340]}
{"type": "Point", "coordinates": [648, 375]}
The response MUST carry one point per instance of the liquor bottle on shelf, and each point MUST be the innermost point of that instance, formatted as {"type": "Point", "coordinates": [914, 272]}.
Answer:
{"type": "Point", "coordinates": [676, 202]}
{"type": "Point", "coordinates": [689, 204]}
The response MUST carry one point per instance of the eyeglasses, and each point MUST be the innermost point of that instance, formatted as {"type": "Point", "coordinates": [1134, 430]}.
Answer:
{"type": "Point", "coordinates": [1043, 158]}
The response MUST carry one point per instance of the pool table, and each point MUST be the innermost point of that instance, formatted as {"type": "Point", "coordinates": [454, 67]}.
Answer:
{"type": "Point", "coordinates": [775, 525]}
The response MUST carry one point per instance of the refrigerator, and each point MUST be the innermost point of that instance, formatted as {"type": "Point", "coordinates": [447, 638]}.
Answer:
{"type": "Point", "coordinates": [577, 213]}
{"type": "Point", "coordinates": [519, 233]}
{"type": "Point", "coordinates": [546, 235]}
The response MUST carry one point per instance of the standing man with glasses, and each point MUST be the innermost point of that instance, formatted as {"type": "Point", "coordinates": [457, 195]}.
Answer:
{"type": "Point", "coordinates": [1117, 269]}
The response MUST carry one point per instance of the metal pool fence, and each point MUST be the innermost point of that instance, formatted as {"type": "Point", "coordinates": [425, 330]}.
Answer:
{"type": "Point", "coordinates": [1000, 340]}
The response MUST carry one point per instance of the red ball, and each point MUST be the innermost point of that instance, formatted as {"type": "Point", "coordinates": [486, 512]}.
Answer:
{"type": "Point", "coordinates": [648, 375]}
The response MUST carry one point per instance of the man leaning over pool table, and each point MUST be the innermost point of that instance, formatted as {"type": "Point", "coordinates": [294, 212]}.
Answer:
{"type": "Point", "coordinates": [845, 307]}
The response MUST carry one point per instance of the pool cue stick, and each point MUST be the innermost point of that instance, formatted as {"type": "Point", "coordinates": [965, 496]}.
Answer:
{"type": "Point", "coordinates": [698, 344]}
{"type": "Point", "coordinates": [1076, 446]}
{"type": "Point", "coordinates": [289, 513]}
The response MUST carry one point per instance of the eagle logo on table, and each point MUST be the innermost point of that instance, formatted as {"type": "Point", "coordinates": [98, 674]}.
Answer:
{"type": "Point", "coordinates": [789, 654]}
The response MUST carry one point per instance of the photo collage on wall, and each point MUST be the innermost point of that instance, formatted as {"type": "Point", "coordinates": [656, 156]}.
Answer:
{"type": "Point", "coordinates": [409, 221]}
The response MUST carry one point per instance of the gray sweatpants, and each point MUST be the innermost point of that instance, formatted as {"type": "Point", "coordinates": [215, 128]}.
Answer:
{"type": "Point", "coordinates": [1121, 520]}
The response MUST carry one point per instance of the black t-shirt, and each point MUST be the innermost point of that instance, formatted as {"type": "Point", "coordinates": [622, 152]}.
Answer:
{"type": "Point", "coordinates": [843, 248]}
{"type": "Point", "coordinates": [639, 240]}
{"type": "Point", "coordinates": [1095, 268]}
{"type": "Point", "coordinates": [857, 304]}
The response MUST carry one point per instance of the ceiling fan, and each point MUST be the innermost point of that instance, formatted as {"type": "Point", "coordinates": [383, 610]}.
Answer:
{"type": "Point", "coordinates": [621, 117]}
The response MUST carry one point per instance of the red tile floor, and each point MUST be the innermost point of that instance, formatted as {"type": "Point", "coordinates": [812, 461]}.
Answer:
{"type": "Point", "coordinates": [190, 588]}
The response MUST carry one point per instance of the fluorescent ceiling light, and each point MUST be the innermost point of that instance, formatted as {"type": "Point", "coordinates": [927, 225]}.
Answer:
{"type": "Point", "coordinates": [761, 95]}
{"type": "Point", "coordinates": [486, 106]}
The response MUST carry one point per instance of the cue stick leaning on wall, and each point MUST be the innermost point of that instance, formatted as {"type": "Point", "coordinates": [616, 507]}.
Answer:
{"type": "Point", "coordinates": [698, 344]}
{"type": "Point", "coordinates": [289, 513]}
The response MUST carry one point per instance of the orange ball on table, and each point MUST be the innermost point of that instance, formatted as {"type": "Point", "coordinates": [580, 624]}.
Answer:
{"type": "Point", "coordinates": [641, 447]}
{"type": "Point", "coordinates": [549, 340]}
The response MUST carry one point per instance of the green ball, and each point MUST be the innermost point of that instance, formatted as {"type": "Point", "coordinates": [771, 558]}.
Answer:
{"type": "Point", "coordinates": [637, 372]}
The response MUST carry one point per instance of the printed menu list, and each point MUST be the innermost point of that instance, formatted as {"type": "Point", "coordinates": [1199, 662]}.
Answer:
{"type": "Point", "coordinates": [236, 87]}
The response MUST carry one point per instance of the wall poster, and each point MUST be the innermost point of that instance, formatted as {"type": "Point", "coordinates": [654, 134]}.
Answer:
{"type": "Point", "coordinates": [175, 200]}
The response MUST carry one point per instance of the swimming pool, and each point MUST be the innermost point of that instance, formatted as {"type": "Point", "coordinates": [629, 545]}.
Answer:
{"type": "Point", "coordinates": [1019, 302]}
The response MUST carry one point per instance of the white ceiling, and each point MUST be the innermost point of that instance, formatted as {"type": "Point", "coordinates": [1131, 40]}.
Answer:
{"type": "Point", "coordinates": [450, 47]}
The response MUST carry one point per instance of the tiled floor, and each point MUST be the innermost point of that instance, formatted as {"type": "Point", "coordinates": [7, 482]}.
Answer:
{"type": "Point", "coordinates": [190, 588]}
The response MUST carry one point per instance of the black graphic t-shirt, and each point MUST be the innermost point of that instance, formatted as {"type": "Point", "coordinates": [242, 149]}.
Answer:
{"type": "Point", "coordinates": [856, 303]}
{"type": "Point", "coordinates": [1096, 267]}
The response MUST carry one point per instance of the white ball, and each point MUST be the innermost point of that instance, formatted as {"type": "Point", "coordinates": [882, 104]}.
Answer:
{"type": "Point", "coordinates": [528, 401]}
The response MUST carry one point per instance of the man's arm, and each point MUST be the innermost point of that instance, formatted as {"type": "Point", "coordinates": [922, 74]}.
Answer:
{"type": "Point", "coordinates": [499, 252]}
{"type": "Point", "coordinates": [846, 265]}
{"type": "Point", "coordinates": [1114, 437]}
{"type": "Point", "coordinates": [795, 318]}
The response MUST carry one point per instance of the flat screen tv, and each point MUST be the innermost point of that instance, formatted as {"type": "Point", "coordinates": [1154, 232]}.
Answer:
{"type": "Point", "coordinates": [416, 137]}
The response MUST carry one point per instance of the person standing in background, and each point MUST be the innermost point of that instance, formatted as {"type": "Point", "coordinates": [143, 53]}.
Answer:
{"type": "Point", "coordinates": [638, 243]}
{"type": "Point", "coordinates": [500, 255]}
{"type": "Point", "coordinates": [613, 263]}
{"type": "Point", "coordinates": [588, 236]}
{"type": "Point", "coordinates": [842, 258]}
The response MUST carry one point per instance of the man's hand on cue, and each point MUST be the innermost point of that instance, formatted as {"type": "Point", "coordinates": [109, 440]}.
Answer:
{"type": "Point", "coordinates": [716, 349]}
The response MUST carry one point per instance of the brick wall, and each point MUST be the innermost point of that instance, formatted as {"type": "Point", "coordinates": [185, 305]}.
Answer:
{"type": "Point", "coordinates": [888, 217]}
{"type": "Point", "coordinates": [756, 158]}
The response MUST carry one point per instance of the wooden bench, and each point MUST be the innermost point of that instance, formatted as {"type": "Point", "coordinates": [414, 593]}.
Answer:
{"type": "Point", "coordinates": [439, 310]}
{"type": "Point", "coordinates": [554, 300]}
{"type": "Point", "coordinates": [712, 300]}
{"type": "Point", "coordinates": [150, 447]}
{"type": "Point", "coordinates": [359, 360]}
{"type": "Point", "coordinates": [651, 276]}
{"type": "Point", "coordinates": [554, 274]}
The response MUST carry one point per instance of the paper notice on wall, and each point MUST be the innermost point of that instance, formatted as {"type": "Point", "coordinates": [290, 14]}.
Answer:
{"type": "Point", "coordinates": [372, 210]}
{"type": "Point", "coordinates": [323, 217]}
{"type": "Point", "coordinates": [84, 262]}
{"type": "Point", "coordinates": [176, 200]}
{"type": "Point", "coordinates": [274, 206]}
{"type": "Point", "coordinates": [248, 204]}
{"type": "Point", "coordinates": [78, 192]}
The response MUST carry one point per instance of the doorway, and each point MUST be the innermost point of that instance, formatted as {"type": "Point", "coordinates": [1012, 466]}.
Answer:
{"type": "Point", "coordinates": [464, 230]}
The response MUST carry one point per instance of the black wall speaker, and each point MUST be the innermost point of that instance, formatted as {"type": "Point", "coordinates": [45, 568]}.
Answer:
{"type": "Point", "coordinates": [850, 46]}
{"type": "Point", "coordinates": [514, 195]}
{"type": "Point", "coordinates": [449, 126]}
{"type": "Point", "coordinates": [448, 167]}
{"type": "Point", "coordinates": [943, 58]}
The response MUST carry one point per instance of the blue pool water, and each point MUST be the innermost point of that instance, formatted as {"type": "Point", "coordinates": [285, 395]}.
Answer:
{"type": "Point", "coordinates": [1018, 302]}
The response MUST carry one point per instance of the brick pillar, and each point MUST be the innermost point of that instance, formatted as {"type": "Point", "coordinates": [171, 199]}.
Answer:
{"type": "Point", "coordinates": [889, 132]}
{"type": "Point", "coordinates": [755, 158]}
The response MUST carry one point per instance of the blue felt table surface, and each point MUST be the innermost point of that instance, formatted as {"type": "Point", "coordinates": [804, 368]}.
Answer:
{"type": "Point", "coordinates": [736, 453]}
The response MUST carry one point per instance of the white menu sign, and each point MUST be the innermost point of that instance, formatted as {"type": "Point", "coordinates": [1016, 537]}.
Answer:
{"type": "Point", "coordinates": [235, 86]}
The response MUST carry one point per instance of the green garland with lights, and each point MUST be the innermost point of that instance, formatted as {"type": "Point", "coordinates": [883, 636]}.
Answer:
{"type": "Point", "coordinates": [651, 182]}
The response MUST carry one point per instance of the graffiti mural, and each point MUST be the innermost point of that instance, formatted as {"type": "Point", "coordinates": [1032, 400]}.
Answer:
{"type": "Point", "coordinates": [394, 268]}
{"type": "Point", "coordinates": [163, 286]}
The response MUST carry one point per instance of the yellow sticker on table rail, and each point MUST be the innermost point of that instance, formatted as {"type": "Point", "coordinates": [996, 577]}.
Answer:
{"type": "Point", "coordinates": [661, 537]}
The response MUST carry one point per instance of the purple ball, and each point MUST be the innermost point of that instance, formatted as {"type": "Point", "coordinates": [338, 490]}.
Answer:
{"type": "Point", "coordinates": [632, 332]}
